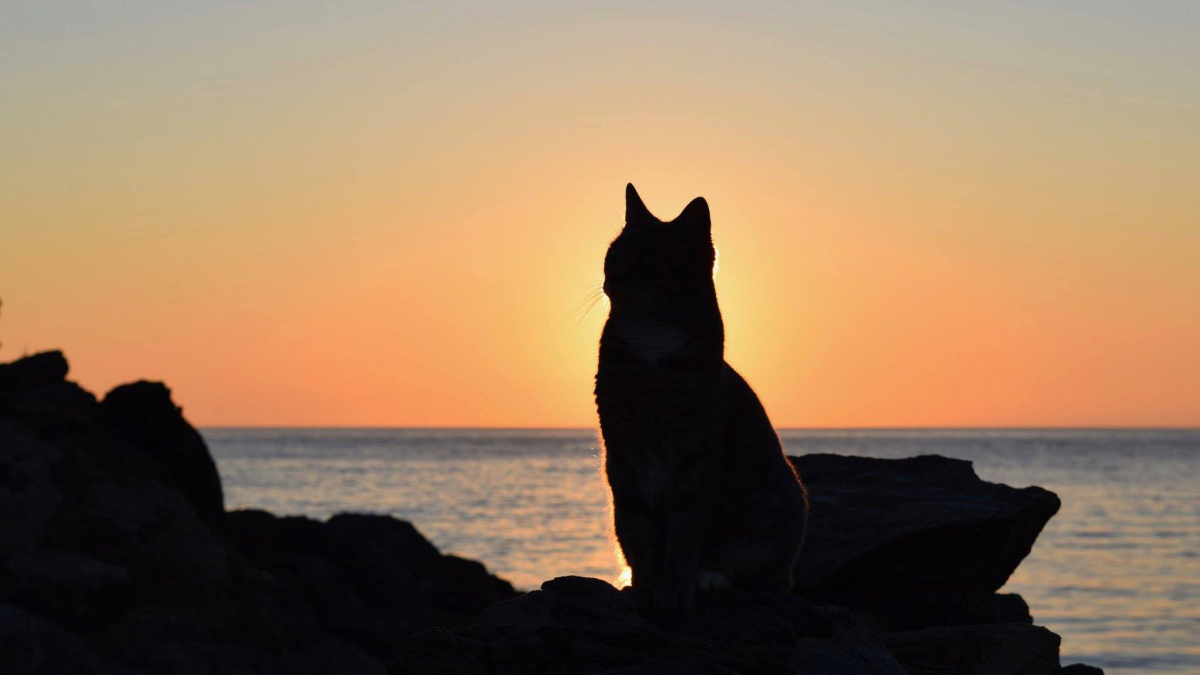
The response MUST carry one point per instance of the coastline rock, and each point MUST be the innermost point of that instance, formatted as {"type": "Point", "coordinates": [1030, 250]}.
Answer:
{"type": "Point", "coordinates": [368, 579]}
{"type": "Point", "coordinates": [30, 644]}
{"type": "Point", "coordinates": [117, 556]}
{"type": "Point", "coordinates": [35, 389]}
{"type": "Point", "coordinates": [143, 415]}
{"type": "Point", "coordinates": [1002, 649]}
{"type": "Point", "coordinates": [121, 560]}
{"type": "Point", "coordinates": [1080, 669]}
{"type": "Point", "coordinates": [582, 625]}
{"type": "Point", "coordinates": [915, 542]}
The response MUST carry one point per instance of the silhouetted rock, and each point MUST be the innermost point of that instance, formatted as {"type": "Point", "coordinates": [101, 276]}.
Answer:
{"type": "Point", "coordinates": [114, 556]}
{"type": "Point", "coordinates": [120, 560]}
{"type": "Point", "coordinates": [31, 645]}
{"type": "Point", "coordinates": [915, 542]}
{"type": "Point", "coordinates": [369, 579]}
{"type": "Point", "coordinates": [143, 415]}
{"type": "Point", "coordinates": [1001, 649]}
{"type": "Point", "coordinates": [31, 372]}
{"type": "Point", "coordinates": [581, 625]}
{"type": "Point", "coordinates": [36, 390]}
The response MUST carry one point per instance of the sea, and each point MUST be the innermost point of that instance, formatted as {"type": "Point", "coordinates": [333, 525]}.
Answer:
{"type": "Point", "coordinates": [1116, 573]}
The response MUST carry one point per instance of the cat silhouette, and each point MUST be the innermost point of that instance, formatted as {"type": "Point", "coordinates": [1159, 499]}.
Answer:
{"type": "Point", "coordinates": [703, 496]}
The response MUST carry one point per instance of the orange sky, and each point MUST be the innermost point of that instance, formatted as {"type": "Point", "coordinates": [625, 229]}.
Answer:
{"type": "Point", "coordinates": [369, 215]}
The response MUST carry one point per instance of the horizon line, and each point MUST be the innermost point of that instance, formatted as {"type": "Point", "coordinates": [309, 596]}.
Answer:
{"type": "Point", "coordinates": [779, 428]}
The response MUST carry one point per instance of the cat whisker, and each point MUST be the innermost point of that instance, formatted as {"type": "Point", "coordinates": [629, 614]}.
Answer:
{"type": "Point", "coordinates": [588, 311]}
{"type": "Point", "coordinates": [587, 303]}
{"type": "Point", "coordinates": [587, 298]}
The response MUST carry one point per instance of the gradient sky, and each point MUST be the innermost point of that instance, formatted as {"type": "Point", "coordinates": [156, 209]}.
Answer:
{"type": "Point", "coordinates": [381, 213]}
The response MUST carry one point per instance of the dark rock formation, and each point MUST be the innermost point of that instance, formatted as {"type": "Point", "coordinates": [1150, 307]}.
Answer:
{"type": "Point", "coordinates": [35, 390]}
{"type": "Point", "coordinates": [143, 415]}
{"type": "Point", "coordinates": [1080, 669]}
{"type": "Point", "coordinates": [915, 548]}
{"type": "Point", "coordinates": [998, 649]}
{"type": "Point", "coordinates": [118, 558]}
{"type": "Point", "coordinates": [915, 542]}
{"type": "Point", "coordinates": [580, 625]}
{"type": "Point", "coordinates": [116, 555]}
{"type": "Point", "coordinates": [368, 579]}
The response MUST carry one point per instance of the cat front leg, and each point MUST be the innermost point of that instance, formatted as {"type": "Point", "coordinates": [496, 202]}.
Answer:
{"type": "Point", "coordinates": [641, 543]}
{"type": "Point", "coordinates": [687, 527]}
{"type": "Point", "coordinates": [638, 533]}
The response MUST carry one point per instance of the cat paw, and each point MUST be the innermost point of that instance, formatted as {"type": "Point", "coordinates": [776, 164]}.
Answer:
{"type": "Point", "coordinates": [670, 597]}
{"type": "Point", "coordinates": [711, 580]}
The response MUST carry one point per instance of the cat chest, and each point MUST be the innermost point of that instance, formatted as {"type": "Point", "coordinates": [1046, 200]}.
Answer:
{"type": "Point", "coordinates": [650, 341]}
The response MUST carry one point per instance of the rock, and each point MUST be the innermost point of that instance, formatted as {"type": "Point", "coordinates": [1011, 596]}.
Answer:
{"type": "Point", "coordinates": [580, 625]}
{"type": "Point", "coordinates": [99, 533]}
{"type": "Point", "coordinates": [441, 651]}
{"type": "Point", "coordinates": [369, 579]}
{"type": "Point", "coordinates": [1079, 669]}
{"type": "Point", "coordinates": [665, 667]}
{"type": "Point", "coordinates": [31, 645]}
{"type": "Point", "coordinates": [915, 542]}
{"type": "Point", "coordinates": [27, 485]}
{"type": "Point", "coordinates": [332, 656]}
{"type": "Point", "coordinates": [35, 389]}
{"type": "Point", "coordinates": [1002, 649]}
{"type": "Point", "coordinates": [121, 561]}
{"type": "Point", "coordinates": [143, 415]}
{"type": "Point", "coordinates": [32, 372]}
{"type": "Point", "coordinates": [767, 618]}
{"type": "Point", "coordinates": [852, 650]}
{"type": "Point", "coordinates": [78, 589]}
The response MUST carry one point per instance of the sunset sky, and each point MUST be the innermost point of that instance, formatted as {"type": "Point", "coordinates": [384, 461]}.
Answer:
{"type": "Point", "coordinates": [382, 213]}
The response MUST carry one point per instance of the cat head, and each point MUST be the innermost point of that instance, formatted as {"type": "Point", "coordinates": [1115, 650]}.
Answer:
{"type": "Point", "coordinates": [658, 269]}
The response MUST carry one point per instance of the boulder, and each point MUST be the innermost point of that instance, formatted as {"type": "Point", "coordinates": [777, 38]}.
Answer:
{"type": "Point", "coordinates": [143, 415]}
{"type": "Point", "coordinates": [32, 372]}
{"type": "Point", "coordinates": [1001, 649]}
{"type": "Point", "coordinates": [32, 645]}
{"type": "Point", "coordinates": [370, 579]}
{"type": "Point", "coordinates": [120, 559]}
{"type": "Point", "coordinates": [36, 390]}
{"type": "Point", "coordinates": [581, 625]}
{"type": "Point", "coordinates": [99, 532]}
{"type": "Point", "coordinates": [915, 542]}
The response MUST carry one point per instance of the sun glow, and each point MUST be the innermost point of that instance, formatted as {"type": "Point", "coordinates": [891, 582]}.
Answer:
{"type": "Point", "coordinates": [625, 578]}
{"type": "Point", "coordinates": [409, 221]}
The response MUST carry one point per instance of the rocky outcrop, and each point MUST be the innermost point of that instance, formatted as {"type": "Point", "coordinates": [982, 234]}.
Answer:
{"type": "Point", "coordinates": [143, 415]}
{"type": "Point", "coordinates": [117, 557]}
{"type": "Point", "coordinates": [116, 553]}
{"type": "Point", "coordinates": [916, 542]}
{"type": "Point", "coordinates": [579, 625]}
{"type": "Point", "coordinates": [367, 579]}
{"type": "Point", "coordinates": [899, 575]}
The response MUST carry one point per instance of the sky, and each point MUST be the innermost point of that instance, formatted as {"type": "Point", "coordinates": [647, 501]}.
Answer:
{"type": "Point", "coordinates": [381, 213]}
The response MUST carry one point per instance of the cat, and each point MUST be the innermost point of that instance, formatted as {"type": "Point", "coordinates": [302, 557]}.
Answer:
{"type": "Point", "coordinates": [703, 497]}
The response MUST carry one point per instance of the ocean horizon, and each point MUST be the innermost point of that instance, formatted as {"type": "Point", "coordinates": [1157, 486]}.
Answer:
{"type": "Point", "coordinates": [1116, 572]}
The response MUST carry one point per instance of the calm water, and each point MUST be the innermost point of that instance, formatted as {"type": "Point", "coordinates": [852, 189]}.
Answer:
{"type": "Point", "coordinates": [1116, 572]}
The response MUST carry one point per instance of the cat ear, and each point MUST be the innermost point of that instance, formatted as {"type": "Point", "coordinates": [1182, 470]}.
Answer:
{"type": "Point", "coordinates": [636, 212]}
{"type": "Point", "coordinates": [695, 215]}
